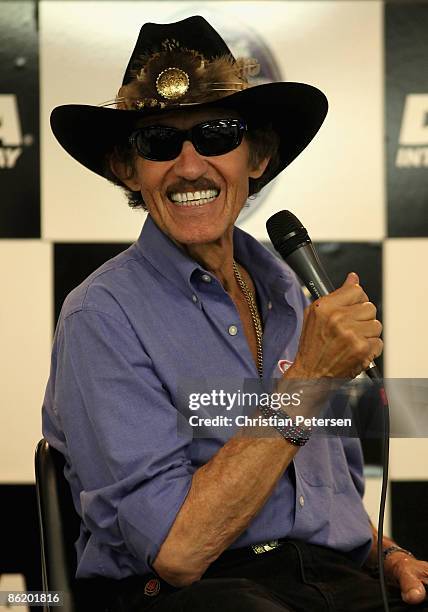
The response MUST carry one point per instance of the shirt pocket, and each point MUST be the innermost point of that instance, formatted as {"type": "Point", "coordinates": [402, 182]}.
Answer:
{"type": "Point", "coordinates": [322, 463]}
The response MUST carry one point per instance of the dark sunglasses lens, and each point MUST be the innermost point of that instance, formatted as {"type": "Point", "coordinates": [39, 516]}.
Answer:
{"type": "Point", "coordinates": [158, 143]}
{"type": "Point", "coordinates": [217, 137]}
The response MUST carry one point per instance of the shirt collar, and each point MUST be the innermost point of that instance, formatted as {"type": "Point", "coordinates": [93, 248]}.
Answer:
{"type": "Point", "coordinates": [261, 263]}
{"type": "Point", "coordinates": [175, 264]}
{"type": "Point", "coordinates": [165, 256]}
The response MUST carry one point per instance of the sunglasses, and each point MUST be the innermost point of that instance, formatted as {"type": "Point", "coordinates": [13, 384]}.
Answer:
{"type": "Point", "coordinates": [164, 143]}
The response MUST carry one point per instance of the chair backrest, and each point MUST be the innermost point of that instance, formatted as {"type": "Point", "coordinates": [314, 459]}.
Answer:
{"type": "Point", "coordinates": [59, 525]}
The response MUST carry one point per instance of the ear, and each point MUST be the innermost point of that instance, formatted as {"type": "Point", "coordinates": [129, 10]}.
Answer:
{"type": "Point", "coordinates": [121, 170]}
{"type": "Point", "coordinates": [257, 172]}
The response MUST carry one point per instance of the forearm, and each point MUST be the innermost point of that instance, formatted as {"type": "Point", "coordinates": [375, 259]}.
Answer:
{"type": "Point", "coordinates": [225, 495]}
{"type": "Point", "coordinates": [230, 489]}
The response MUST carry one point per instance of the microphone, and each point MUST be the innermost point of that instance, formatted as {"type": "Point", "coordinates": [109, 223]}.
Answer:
{"type": "Point", "coordinates": [292, 242]}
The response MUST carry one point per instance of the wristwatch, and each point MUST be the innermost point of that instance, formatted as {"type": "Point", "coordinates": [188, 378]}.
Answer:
{"type": "Point", "coordinates": [392, 549]}
{"type": "Point", "coordinates": [296, 434]}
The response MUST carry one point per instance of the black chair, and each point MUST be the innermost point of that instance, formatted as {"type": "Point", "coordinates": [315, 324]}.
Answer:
{"type": "Point", "coordinates": [59, 526]}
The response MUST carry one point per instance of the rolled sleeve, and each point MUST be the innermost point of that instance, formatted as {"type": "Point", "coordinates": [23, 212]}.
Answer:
{"type": "Point", "coordinates": [128, 460]}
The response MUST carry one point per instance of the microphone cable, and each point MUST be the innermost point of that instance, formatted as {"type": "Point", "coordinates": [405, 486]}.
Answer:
{"type": "Point", "coordinates": [384, 490]}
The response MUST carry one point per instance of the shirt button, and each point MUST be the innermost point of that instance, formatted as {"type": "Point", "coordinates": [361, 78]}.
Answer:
{"type": "Point", "coordinates": [233, 330]}
{"type": "Point", "coordinates": [269, 305]}
{"type": "Point", "coordinates": [194, 298]}
{"type": "Point", "coordinates": [206, 278]}
{"type": "Point", "coordinates": [302, 501]}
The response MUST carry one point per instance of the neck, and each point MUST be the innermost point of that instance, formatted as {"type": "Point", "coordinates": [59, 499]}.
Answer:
{"type": "Point", "coordinates": [217, 258]}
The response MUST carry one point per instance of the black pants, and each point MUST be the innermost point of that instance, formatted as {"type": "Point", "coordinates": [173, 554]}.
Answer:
{"type": "Point", "coordinates": [297, 577]}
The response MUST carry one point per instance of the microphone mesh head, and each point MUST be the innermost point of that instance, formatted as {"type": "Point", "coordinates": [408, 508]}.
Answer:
{"type": "Point", "coordinates": [281, 224]}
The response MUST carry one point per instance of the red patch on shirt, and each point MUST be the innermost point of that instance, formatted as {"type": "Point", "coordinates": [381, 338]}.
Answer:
{"type": "Point", "coordinates": [283, 365]}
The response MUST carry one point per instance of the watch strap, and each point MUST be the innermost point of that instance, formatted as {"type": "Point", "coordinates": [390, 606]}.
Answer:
{"type": "Point", "coordinates": [392, 549]}
{"type": "Point", "coordinates": [296, 434]}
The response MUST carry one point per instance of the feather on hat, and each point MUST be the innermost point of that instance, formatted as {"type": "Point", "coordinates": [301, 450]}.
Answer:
{"type": "Point", "coordinates": [177, 76]}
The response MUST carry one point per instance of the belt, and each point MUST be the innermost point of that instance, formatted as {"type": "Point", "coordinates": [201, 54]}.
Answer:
{"type": "Point", "coordinates": [259, 549]}
{"type": "Point", "coordinates": [237, 555]}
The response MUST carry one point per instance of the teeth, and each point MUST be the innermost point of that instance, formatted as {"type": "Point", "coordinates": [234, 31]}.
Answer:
{"type": "Point", "coordinates": [198, 196]}
{"type": "Point", "coordinates": [195, 203]}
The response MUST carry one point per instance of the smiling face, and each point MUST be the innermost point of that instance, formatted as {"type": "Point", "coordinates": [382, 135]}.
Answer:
{"type": "Point", "coordinates": [172, 189]}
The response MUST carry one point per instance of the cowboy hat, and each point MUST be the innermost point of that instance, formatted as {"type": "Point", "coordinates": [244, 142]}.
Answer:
{"type": "Point", "coordinates": [187, 65]}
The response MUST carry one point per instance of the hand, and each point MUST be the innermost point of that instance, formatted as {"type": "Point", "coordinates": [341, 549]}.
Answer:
{"type": "Point", "coordinates": [340, 335]}
{"type": "Point", "coordinates": [409, 574]}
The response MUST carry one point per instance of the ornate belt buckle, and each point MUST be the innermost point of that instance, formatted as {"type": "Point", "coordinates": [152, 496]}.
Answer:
{"type": "Point", "coordinates": [265, 547]}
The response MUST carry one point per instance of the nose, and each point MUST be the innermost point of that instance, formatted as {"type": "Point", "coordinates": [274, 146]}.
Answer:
{"type": "Point", "coordinates": [189, 164]}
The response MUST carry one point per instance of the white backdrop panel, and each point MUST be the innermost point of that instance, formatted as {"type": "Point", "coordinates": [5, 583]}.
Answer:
{"type": "Point", "coordinates": [408, 459]}
{"type": "Point", "coordinates": [372, 491]}
{"type": "Point", "coordinates": [406, 339]}
{"type": "Point", "coordinates": [26, 337]}
{"type": "Point", "coordinates": [405, 310]}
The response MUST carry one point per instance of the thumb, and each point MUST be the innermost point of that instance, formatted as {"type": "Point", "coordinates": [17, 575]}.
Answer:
{"type": "Point", "coordinates": [352, 279]}
{"type": "Point", "coordinates": [412, 589]}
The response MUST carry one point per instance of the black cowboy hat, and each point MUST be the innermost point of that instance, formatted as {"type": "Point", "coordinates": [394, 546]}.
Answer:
{"type": "Point", "coordinates": [184, 65]}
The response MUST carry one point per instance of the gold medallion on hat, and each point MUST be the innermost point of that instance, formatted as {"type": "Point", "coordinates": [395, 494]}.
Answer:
{"type": "Point", "coordinates": [172, 83]}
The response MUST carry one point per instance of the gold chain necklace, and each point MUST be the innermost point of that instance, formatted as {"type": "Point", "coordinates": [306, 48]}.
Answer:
{"type": "Point", "coordinates": [254, 316]}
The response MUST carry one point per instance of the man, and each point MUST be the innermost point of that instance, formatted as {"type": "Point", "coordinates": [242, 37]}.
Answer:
{"type": "Point", "coordinates": [241, 520]}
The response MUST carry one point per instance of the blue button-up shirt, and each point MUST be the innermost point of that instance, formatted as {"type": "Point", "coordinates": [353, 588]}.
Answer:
{"type": "Point", "coordinates": [145, 321]}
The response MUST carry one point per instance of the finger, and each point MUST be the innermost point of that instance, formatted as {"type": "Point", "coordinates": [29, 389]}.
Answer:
{"type": "Point", "coordinates": [367, 329]}
{"type": "Point", "coordinates": [365, 311]}
{"type": "Point", "coordinates": [375, 349]}
{"type": "Point", "coordinates": [352, 279]}
{"type": "Point", "coordinates": [409, 573]}
{"type": "Point", "coordinates": [347, 295]}
{"type": "Point", "coordinates": [412, 589]}
{"type": "Point", "coordinates": [376, 346]}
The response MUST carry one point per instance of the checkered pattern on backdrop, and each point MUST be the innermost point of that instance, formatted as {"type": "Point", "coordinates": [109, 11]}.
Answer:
{"type": "Point", "coordinates": [360, 188]}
